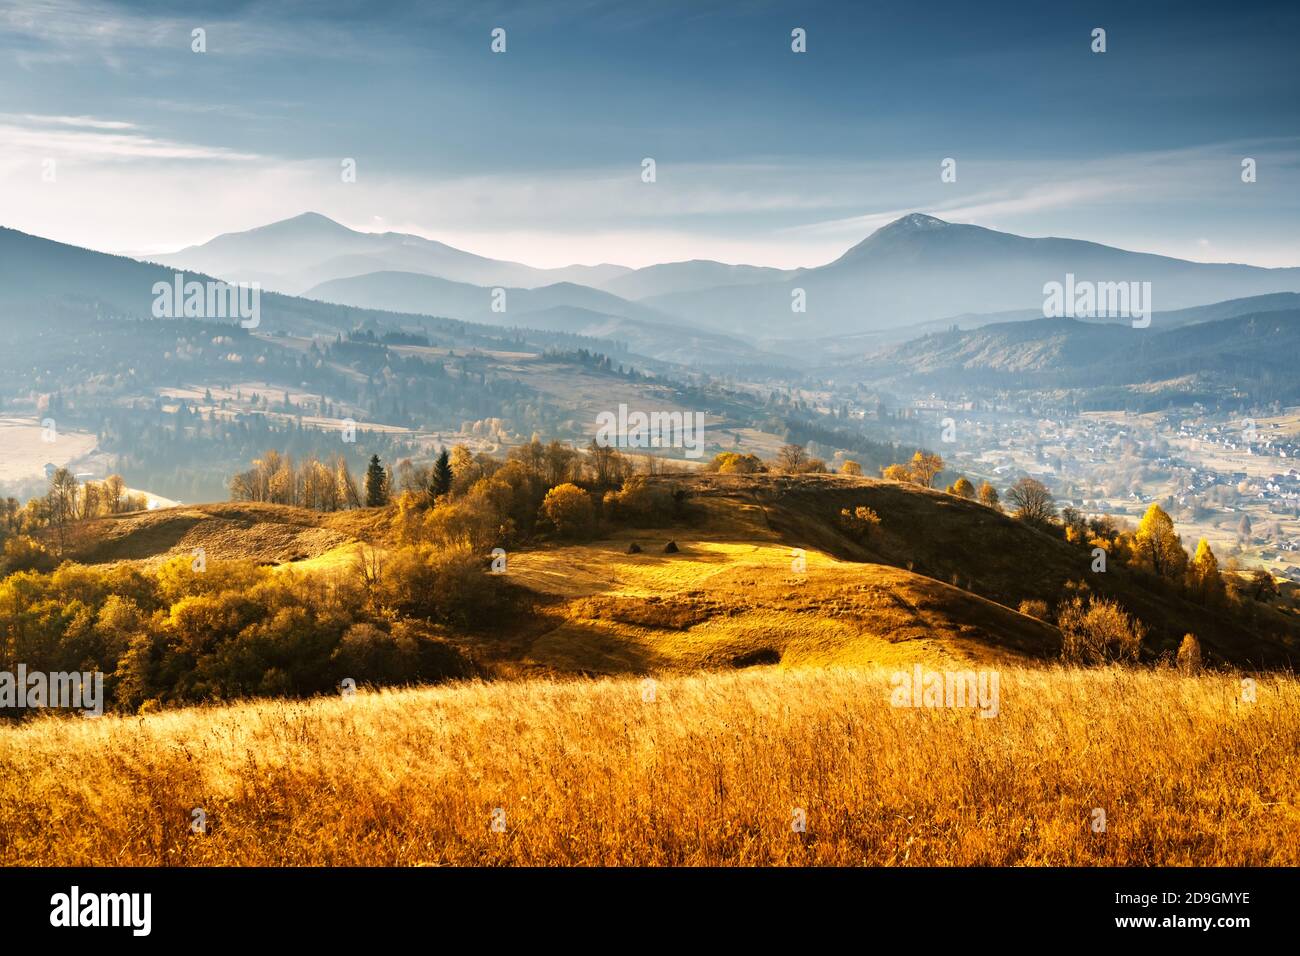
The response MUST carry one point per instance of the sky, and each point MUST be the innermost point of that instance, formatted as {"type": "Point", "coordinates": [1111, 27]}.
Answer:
{"type": "Point", "coordinates": [116, 135]}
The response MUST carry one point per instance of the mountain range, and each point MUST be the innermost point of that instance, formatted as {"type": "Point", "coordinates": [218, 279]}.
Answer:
{"type": "Point", "coordinates": [915, 270]}
{"type": "Point", "coordinates": [898, 283]}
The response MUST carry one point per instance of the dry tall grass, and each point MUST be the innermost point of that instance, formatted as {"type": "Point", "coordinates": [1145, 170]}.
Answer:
{"type": "Point", "coordinates": [587, 772]}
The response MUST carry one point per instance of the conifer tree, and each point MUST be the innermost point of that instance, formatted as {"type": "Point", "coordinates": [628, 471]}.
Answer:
{"type": "Point", "coordinates": [376, 484]}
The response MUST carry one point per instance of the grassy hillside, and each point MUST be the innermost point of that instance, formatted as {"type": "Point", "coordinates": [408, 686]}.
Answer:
{"type": "Point", "coordinates": [268, 534]}
{"type": "Point", "coordinates": [1219, 354]}
{"type": "Point", "coordinates": [763, 573]}
{"type": "Point", "coordinates": [941, 577]}
{"type": "Point", "coordinates": [708, 772]}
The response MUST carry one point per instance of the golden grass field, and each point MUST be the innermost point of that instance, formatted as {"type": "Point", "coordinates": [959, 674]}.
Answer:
{"type": "Point", "coordinates": [709, 772]}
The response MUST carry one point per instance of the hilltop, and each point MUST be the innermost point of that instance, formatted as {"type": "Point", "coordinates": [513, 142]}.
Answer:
{"type": "Point", "coordinates": [264, 533]}
{"type": "Point", "coordinates": [763, 574]}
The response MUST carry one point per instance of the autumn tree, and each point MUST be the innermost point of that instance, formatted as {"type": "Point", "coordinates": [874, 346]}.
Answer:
{"type": "Point", "coordinates": [61, 501]}
{"type": "Point", "coordinates": [1245, 530]}
{"type": "Point", "coordinates": [1031, 501]}
{"type": "Point", "coordinates": [851, 468]}
{"type": "Point", "coordinates": [604, 462]}
{"type": "Point", "coordinates": [560, 463]}
{"type": "Point", "coordinates": [1157, 546]}
{"type": "Point", "coordinates": [349, 497]}
{"type": "Point", "coordinates": [569, 509]}
{"type": "Point", "coordinates": [792, 458]}
{"type": "Point", "coordinates": [1262, 585]}
{"type": "Point", "coordinates": [465, 470]}
{"type": "Point", "coordinates": [988, 496]}
{"type": "Point", "coordinates": [924, 466]}
{"type": "Point", "coordinates": [962, 488]}
{"type": "Point", "coordinates": [1205, 578]}
{"type": "Point", "coordinates": [114, 491]}
{"type": "Point", "coordinates": [91, 500]}
{"type": "Point", "coordinates": [734, 463]}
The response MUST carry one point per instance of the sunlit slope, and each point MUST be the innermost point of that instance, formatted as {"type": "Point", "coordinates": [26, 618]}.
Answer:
{"type": "Point", "coordinates": [989, 554]}
{"type": "Point", "coordinates": [706, 772]}
{"type": "Point", "coordinates": [269, 534]}
{"type": "Point", "coordinates": [720, 603]}
{"type": "Point", "coordinates": [765, 574]}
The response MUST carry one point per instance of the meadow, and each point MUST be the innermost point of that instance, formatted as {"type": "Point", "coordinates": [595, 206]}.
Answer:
{"type": "Point", "coordinates": [702, 769]}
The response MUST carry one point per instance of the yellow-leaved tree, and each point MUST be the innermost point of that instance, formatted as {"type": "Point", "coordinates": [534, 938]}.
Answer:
{"type": "Point", "coordinates": [1157, 546]}
{"type": "Point", "coordinates": [1204, 574]}
{"type": "Point", "coordinates": [962, 488]}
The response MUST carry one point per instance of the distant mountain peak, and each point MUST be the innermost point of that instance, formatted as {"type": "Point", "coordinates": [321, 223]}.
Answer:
{"type": "Point", "coordinates": [916, 220]}
{"type": "Point", "coordinates": [900, 232]}
{"type": "Point", "coordinates": [304, 222]}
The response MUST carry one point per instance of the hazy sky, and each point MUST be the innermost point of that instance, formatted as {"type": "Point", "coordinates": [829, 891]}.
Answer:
{"type": "Point", "coordinates": [763, 155]}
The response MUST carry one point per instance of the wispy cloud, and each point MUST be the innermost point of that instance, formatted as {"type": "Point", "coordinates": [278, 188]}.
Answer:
{"type": "Point", "coordinates": [89, 139]}
{"type": "Point", "coordinates": [44, 31]}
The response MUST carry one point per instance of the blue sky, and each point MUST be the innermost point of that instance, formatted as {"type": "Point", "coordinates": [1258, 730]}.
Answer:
{"type": "Point", "coordinates": [763, 155]}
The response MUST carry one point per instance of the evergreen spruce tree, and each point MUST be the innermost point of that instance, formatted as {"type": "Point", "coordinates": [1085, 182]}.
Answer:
{"type": "Point", "coordinates": [441, 481]}
{"type": "Point", "coordinates": [376, 484]}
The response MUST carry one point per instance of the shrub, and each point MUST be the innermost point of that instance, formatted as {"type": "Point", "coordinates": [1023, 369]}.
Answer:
{"type": "Point", "coordinates": [851, 468]}
{"type": "Point", "coordinates": [24, 553]}
{"type": "Point", "coordinates": [1098, 632]}
{"type": "Point", "coordinates": [408, 654]}
{"type": "Point", "coordinates": [1035, 608]}
{"type": "Point", "coordinates": [733, 463]}
{"type": "Point", "coordinates": [1189, 654]}
{"type": "Point", "coordinates": [859, 522]}
{"type": "Point", "coordinates": [569, 510]}
{"type": "Point", "coordinates": [640, 503]}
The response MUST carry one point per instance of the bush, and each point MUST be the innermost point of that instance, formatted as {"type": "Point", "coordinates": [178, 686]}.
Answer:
{"type": "Point", "coordinates": [569, 510]}
{"type": "Point", "coordinates": [1099, 632]}
{"type": "Point", "coordinates": [640, 503]}
{"type": "Point", "coordinates": [1189, 654]}
{"type": "Point", "coordinates": [859, 522]}
{"type": "Point", "coordinates": [370, 655]}
{"type": "Point", "coordinates": [1035, 608]}
{"type": "Point", "coordinates": [733, 463]}
{"type": "Point", "coordinates": [24, 553]}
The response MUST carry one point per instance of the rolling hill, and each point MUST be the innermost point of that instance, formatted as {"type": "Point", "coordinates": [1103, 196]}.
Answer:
{"type": "Point", "coordinates": [1245, 354]}
{"type": "Point", "coordinates": [732, 594]}
{"type": "Point", "coordinates": [668, 278]}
